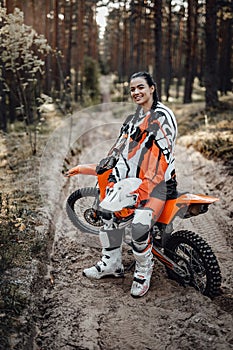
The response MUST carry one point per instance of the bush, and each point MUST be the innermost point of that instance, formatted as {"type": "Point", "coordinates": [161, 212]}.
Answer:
{"type": "Point", "coordinates": [22, 53]}
{"type": "Point", "coordinates": [91, 83]}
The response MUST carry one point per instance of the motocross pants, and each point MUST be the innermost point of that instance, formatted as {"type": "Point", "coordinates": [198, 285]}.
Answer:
{"type": "Point", "coordinates": [112, 238]}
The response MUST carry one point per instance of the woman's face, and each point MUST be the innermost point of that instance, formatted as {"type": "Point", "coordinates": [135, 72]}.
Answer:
{"type": "Point", "coordinates": [141, 92]}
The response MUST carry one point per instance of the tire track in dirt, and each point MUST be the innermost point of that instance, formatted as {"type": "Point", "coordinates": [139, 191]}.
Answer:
{"type": "Point", "coordinates": [77, 313]}
{"type": "Point", "coordinates": [215, 225]}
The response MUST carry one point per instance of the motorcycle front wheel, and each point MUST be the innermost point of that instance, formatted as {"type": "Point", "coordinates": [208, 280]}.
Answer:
{"type": "Point", "coordinates": [80, 208]}
{"type": "Point", "coordinates": [196, 257]}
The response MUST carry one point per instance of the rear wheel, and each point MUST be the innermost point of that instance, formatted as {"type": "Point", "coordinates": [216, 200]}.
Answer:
{"type": "Point", "coordinates": [197, 259]}
{"type": "Point", "coordinates": [80, 209]}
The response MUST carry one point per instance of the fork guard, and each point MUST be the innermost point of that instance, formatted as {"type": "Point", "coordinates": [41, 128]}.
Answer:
{"type": "Point", "coordinates": [165, 260]}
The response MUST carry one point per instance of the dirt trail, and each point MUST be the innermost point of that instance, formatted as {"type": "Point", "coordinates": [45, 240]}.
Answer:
{"type": "Point", "coordinates": [77, 313]}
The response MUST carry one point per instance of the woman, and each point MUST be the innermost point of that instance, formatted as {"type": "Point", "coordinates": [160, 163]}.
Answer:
{"type": "Point", "coordinates": [148, 140]}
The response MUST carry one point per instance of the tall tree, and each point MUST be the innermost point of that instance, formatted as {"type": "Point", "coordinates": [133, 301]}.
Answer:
{"type": "Point", "coordinates": [3, 109]}
{"type": "Point", "coordinates": [178, 48]}
{"type": "Point", "coordinates": [158, 45]}
{"type": "Point", "coordinates": [211, 81]}
{"type": "Point", "coordinates": [56, 47]}
{"type": "Point", "coordinates": [191, 49]}
{"type": "Point", "coordinates": [132, 35]}
{"type": "Point", "coordinates": [48, 59]}
{"type": "Point", "coordinates": [168, 59]}
{"type": "Point", "coordinates": [78, 55]}
{"type": "Point", "coordinates": [225, 48]}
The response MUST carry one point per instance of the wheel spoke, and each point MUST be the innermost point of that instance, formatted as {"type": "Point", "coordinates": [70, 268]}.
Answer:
{"type": "Point", "coordinates": [81, 209]}
{"type": "Point", "coordinates": [84, 211]}
{"type": "Point", "coordinates": [196, 258]}
{"type": "Point", "coordinates": [194, 265]}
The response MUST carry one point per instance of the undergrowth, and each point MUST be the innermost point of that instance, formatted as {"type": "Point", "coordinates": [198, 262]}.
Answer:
{"type": "Point", "coordinates": [20, 243]}
{"type": "Point", "coordinates": [210, 132]}
{"type": "Point", "coordinates": [12, 300]}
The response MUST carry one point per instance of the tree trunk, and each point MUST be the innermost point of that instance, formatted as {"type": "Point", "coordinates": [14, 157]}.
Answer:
{"type": "Point", "coordinates": [225, 48]}
{"type": "Point", "coordinates": [125, 60]}
{"type": "Point", "coordinates": [79, 50]}
{"type": "Point", "coordinates": [211, 82]}
{"type": "Point", "coordinates": [56, 60]}
{"type": "Point", "coordinates": [48, 59]}
{"type": "Point", "coordinates": [158, 45]}
{"type": "Point", "coordinates": [179, 66]}
{"type": "Point", "coordinates": [3, 112]}
{"type": "Point", "coordinates": [132, 36]}
{"type": "Point", "coordinates": [190, 66]}
{"type": "Point", "coordinates": [69, 28]}
{"type": "Point", "coordinates": [168, 61]}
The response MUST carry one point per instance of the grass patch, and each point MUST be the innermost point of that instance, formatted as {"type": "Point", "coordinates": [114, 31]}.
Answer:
{"type": "Point", "coordinates": [208, 131]}
{"type": "Point", "coordinates": [22, 242]}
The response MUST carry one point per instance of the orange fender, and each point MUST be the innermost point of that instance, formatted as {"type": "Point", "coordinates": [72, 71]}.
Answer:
{"type": "Point", "coordinates": [172, 206]}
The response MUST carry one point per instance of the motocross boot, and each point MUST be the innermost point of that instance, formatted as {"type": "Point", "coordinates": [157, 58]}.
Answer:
{"type": "Point", "coordinates": [143, 271]}
{"type": "Point", "coordinates": [109, 265]}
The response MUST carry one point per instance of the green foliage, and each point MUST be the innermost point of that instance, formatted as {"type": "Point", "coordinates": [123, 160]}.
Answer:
{"type": "Point", "coordinates": [91, 84]}
{"type": "Point", "coordinates": [20, 49]}
{"type": "Point", "coordinates": [22, 53]}
{"type": "Point", "coordinates": [12, 300]}
{"type": "Point", "coordinates": [211, 130]}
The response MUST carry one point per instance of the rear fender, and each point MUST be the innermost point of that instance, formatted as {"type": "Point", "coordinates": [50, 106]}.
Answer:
{"type": "Point", "coordinates": [185, 206]}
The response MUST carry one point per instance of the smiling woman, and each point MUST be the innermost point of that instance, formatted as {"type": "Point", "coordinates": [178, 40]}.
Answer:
{"type": "Point", "coordinates": [144, 150]}
{"type": "Point", "coordinates": [141, 93]}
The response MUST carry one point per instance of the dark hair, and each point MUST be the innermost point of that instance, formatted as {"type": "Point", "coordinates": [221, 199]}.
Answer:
{"type": "Point", "coordinates": [150, 81]}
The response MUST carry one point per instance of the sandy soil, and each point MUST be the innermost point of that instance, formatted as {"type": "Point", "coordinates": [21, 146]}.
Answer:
{"type": "Point", "coordinates": [67, 311]}
{"type": "Point", "coordinates": [77, 313]}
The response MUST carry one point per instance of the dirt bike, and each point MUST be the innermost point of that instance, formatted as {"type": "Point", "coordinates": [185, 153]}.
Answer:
{"type": "Point", "coordinates": [187, 257]}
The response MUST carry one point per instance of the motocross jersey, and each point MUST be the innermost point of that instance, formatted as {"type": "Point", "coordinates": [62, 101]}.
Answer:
{"type": "Point", "coordinates": [148, 152]}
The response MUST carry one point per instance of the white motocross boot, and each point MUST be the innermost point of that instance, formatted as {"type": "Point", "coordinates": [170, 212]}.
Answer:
{"type": "Point", "coordinates": [109, 265]}
{"type": "Point", "coordinates": [143, 272]}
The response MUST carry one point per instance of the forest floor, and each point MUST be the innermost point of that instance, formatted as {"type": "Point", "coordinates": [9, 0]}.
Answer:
{"type": "Point", "coordinates": [46, 303]}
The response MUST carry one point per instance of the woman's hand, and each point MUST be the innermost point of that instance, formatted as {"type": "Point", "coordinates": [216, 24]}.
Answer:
{"type": "Point", "coordinates": [84, 169]}
{"type": "Point", "coordinates": [72, 171]}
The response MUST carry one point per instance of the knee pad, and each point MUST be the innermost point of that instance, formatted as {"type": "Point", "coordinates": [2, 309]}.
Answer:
{"type": "Point", "coordinates": [141, 224]}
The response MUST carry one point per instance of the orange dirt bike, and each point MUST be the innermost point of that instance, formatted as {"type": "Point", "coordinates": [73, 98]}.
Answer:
{"type": "Point", "coordinates": [187, 257]}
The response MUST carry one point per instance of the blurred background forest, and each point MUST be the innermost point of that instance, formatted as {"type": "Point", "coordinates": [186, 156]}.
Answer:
{"type": "Point", "coordinates": [56, 50]}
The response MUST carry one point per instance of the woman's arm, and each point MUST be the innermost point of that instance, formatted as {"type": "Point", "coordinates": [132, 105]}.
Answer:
{"type": "Point", "coordinates": [82, 169]}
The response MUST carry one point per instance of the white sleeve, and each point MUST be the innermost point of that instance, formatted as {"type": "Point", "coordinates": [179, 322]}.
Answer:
{"type": "Point", "coordinates": [121, 169]}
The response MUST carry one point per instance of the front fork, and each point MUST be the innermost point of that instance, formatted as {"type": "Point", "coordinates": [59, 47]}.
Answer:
{"type": "Point", "coordinates": [161, 233]}
{"type": "Point", "coordinates": [169, 263]}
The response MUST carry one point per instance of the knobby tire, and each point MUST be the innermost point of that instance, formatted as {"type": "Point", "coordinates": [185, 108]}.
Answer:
{"type": "Point", "coordinates": [191, 251]}
{"type": "Point", "coordinates": [74, 202]}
